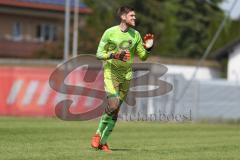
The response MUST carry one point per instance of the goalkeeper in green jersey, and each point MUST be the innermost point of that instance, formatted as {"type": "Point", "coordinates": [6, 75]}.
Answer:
{"type": "Point", "coordinates": [117, 48]}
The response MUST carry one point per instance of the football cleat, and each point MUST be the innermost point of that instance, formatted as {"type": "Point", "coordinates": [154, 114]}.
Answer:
{"type": "Point", "coordinates": [95, 143]}
{"type": "Point", "coordinates": [105, 148]}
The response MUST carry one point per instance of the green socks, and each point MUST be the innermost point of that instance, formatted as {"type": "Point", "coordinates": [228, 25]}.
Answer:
{"type": "Point", "coordinates": [106, 132]}
{"type": "Point", "coordinates": [105, 127]}
{"type": "Point", "coordinates": [103, 123]}
{"type": "Point", "coordinates": [107, 124]}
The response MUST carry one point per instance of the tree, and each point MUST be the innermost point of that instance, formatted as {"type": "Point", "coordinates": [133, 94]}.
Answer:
{"type": "Point", "coordinates": [182, 28]}
{"type": "Point", "coordinates": [196, 21]}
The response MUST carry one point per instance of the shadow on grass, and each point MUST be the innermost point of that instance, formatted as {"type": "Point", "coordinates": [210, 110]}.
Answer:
{"type": "Point", "coordinates": [121, 149]}
{"type": "Point", "coordinates": [129, 149]}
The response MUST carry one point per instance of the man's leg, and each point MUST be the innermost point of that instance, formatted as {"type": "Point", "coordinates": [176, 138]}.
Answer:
{"type": "Point", "coordinates": [112, 111]}
{"type": "Point", "coordinates": [102, 124]}
{"type": "Point", "coordinates": [111, 87]}
{"type": "Point", "coordinates": [107, 116]}
{"type": "Point", "coordinates": [114, 107]}
{"type": "Point", "coordinates": [104, 121]}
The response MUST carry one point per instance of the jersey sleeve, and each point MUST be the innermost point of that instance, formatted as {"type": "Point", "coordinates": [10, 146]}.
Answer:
{"type": "Point", "coordinates": [142, 53]}
{"type": "Point", "coordinates": [102, 53]}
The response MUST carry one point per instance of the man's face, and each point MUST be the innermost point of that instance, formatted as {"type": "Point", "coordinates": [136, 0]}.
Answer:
{"type": "Point", "coordinates": [129, 18]}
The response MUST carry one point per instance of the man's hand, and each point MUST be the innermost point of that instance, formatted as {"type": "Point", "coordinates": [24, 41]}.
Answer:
{"type": "Point", "coordinates": [123, 55]}
{"type": "Point", "coordinates": [148, 41]}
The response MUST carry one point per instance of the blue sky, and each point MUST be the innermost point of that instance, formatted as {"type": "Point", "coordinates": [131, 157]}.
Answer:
{"type": "Point", "coordinates": [226, 5]}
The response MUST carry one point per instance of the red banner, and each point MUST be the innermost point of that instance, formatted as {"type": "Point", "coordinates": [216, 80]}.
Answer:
{"type": "Point", "coordinates": [25, 91]}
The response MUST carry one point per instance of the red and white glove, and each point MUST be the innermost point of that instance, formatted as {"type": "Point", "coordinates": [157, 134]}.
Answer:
{"type": "Point", "coordinates": [148, 41]}
{"type": "Point", "coordinates": [123, 55]}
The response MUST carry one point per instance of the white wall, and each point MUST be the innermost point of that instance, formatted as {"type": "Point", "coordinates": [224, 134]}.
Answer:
{"type": "Point", "coordinates": [234, 65]}
{"type": "Point", "coordinates": [204, 73]}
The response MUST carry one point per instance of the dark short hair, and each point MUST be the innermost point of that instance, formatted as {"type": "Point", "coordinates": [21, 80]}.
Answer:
{"type": "Point", "coordinates": [124, 10]}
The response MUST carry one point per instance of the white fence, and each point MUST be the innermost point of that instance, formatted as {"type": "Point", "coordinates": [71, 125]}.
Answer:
{"type": "Point", "coordinates": [211, 99]}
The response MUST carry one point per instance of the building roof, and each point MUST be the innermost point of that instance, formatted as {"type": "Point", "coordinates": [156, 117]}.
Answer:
{"type": "Point", "coordinates": [53, 5]}
{"type": "Point", "coordinates": [227, 49]}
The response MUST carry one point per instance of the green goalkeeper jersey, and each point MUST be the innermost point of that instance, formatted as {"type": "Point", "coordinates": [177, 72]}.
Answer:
{"type": "Point", "coordinates": [114, 40]}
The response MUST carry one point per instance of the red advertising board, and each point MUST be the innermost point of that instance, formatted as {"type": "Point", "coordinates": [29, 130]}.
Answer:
{"type": "Point", "coordinates": [25, 91]}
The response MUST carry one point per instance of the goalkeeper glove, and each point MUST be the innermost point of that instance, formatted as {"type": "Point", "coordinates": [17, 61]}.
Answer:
{"type": "Point", "coordinates": [123, 55]}
{"type": "Point", "coordinates": [148, 41]}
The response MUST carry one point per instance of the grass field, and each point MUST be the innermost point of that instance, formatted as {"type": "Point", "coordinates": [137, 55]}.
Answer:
{"type": "Point", "coordinates": [53, 139]}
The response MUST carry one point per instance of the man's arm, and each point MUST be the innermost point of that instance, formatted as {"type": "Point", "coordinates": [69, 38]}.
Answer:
{"type": "Point", "coordinates": [144, 48]}
{"type": "Point", "coordinates": [102, 53]}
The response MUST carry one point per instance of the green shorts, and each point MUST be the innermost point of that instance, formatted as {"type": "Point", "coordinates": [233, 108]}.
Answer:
{"type": "Point", "coordinates": [115, 86]}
